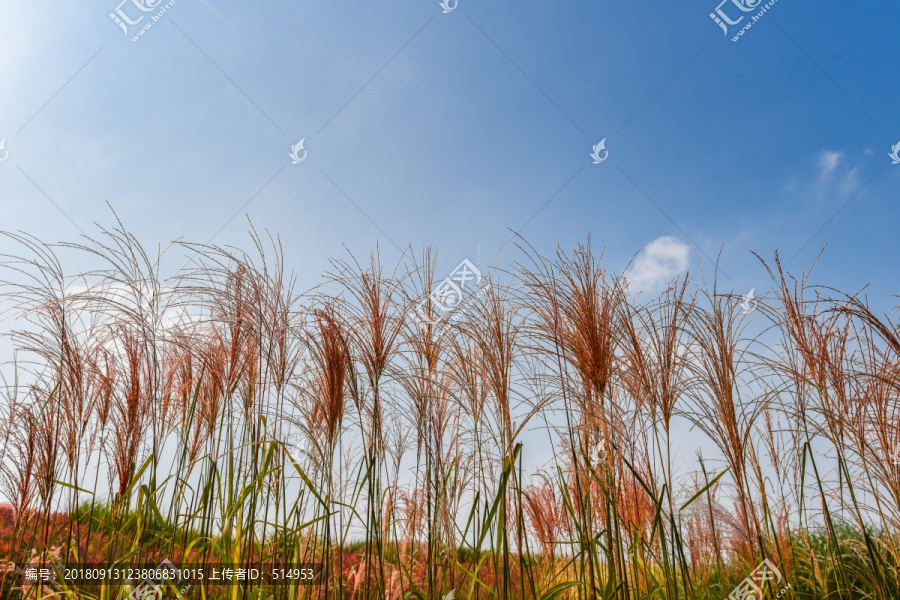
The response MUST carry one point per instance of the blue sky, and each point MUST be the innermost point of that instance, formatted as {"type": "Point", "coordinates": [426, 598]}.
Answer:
{"type": "Point", "coordinates": [450, 129]}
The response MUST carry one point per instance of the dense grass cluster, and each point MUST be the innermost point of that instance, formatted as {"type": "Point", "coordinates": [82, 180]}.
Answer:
{"type": "Point", "coordinates": [221, 416]}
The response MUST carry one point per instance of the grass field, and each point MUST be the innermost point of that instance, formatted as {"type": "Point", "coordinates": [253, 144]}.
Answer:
{"type": "Point", "coordinates": [220, 416]}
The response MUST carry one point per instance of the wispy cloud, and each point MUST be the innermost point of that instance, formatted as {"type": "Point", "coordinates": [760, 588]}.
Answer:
{"type": "Point", "coordinates": [657, 264]}
{"type": "Point", "coordinates": [828, 162]}
{"type": "Point", "coordinates": [826, 177]}
{"type": "Point", "coordinates": [834, 175]}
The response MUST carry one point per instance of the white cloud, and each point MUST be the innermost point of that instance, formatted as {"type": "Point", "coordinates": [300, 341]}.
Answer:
{"type": "Point", "coordinates": [828, 162]}
{"type": "Point", "coordinates": [657, 264]}
{"type": "Point", "coordinates": [834, 175]}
